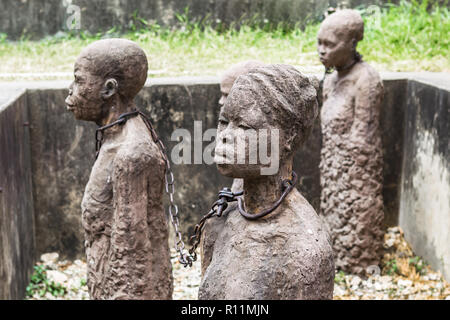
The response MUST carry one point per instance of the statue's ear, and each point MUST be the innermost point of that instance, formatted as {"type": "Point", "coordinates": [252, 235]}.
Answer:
{"type": "Point", "coordinates": [109, 88]}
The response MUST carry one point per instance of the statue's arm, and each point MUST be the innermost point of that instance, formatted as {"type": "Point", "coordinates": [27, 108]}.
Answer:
{"type": "Point", "coordinates": [367, 104]}
{"type": "Point", "coordinates": [130, 244]}
{"type": "Point", "coordinates": [211, 231]}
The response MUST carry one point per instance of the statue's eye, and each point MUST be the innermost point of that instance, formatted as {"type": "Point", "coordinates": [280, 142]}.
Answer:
{"type": "Point", "coordinates": [223, 121]}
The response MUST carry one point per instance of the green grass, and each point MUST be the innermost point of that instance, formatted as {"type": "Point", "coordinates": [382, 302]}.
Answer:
{"type": "Point", "coordinates": [407, 37]}
{"type": "Point", "coordinates": [419, 264]}
{"type": "Point", "coordinates": [391, 267]}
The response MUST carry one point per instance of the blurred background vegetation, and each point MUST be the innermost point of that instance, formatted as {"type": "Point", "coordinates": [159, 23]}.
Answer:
{"type": "Point", "coordinates": [408, 36]}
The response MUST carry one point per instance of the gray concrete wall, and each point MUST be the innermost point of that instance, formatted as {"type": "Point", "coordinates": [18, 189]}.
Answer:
{"type": "Point", "coordinates": [425, 192]}
{"type": "Point", "coordinates": [38, 18]}
{"type": "Point", "coordinates": [17, 243]}
{"type": "Point", "coordinates": [392, 127]}
{"type": "Point", "coordinates": [62, 154]}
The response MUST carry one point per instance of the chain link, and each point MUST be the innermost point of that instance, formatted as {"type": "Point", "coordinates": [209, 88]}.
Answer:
{"type": "Point", "coordinates": [217, 209]}
{"type": "Point", "coordinates": [196, 238]}
{"type": "Point", "coordinates": [99, 132]}
{"type": "Point", "coordinates": [169, 180]}
{"type": "Point", "coordinates": [225, 196]}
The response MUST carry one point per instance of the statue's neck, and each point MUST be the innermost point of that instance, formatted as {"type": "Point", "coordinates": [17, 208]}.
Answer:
{"type": "Point", "coordinates": [345, 68]}
{"type": "Point", "coordinates": [113, 110]}
{"type": "Point", "coordinates": [262, 192]}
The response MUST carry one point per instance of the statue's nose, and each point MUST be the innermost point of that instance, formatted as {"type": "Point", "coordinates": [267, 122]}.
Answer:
{"type": "Point", "coordinates": [71, 89]}
{"type": "Point", "coordinates": [321, 50]}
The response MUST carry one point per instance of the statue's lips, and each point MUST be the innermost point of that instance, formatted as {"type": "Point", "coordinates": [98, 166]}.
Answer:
{"type": "Point", "coordinates": [71, 107]}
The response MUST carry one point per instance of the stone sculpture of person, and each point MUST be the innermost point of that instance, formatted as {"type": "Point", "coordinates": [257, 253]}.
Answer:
{"type": "Point", "coordinates": [351, 157]}
{"type": "Point", "coordinates": [126, 233]}
{"type": "Point", "coordinates": [226, 82]}
{"type": "Point", "coordinates": [286, 254]}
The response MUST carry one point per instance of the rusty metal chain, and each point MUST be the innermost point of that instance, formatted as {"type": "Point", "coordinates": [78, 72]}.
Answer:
{"type": "Point", "coordinates": [225, 196]}
{"type": "Point", "coordinates": [357, 58]}
{"type": "Point", "coordinates": [286, 187]}
{"type": "Point", "coordinates": [99, 132]}
{"type": "Point", "coordinates": [184, 259]}
{"type": "Point", "coordinates": [218, 207]}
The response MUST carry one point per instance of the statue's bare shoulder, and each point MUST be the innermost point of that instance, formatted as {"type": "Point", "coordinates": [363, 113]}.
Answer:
{"type": "Point", "coordinates": [305, 224]}
{"type": "Point", "coordinates": [136, 151]}
{"type": "Point", "coordinates": [368, 78]}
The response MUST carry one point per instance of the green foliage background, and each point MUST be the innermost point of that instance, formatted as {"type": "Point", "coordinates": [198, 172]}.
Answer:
{"type": "Point", "coordinates": [411, 36]}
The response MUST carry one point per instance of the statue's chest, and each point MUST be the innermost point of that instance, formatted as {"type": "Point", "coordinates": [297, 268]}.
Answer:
{"type": "Point", "coordinates": [97, 205]}
{"type": "Point", "coordinates": [240, 237]}
{"type": "Point", "coordinates": [338, 107]}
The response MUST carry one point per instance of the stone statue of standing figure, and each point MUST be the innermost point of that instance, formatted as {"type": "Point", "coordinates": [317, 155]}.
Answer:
{"type": "Point", "coordinates": [286, 254]}
{"type": "Point", "coordinates": [126, 232]}
{"type": "Point", "coordinates": [351, 158]}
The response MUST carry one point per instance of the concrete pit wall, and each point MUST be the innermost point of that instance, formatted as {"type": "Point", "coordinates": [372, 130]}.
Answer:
{"type": "Point", "coordinates": [17, 244]}
{"type": "Point", "coordinates": [425, 189]}
{"type": "Point", "coordinates": [62, 153]}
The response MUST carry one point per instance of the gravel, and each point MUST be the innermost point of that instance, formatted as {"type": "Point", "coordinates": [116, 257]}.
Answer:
{"type": "Point", "coordinates": [71, 275]}
{"type": "Point", "coordinates": [402, 275]}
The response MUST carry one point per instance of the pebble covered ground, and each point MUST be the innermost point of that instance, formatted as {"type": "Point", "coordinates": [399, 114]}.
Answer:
{"type": "Point", "coordinates": [402, 276]}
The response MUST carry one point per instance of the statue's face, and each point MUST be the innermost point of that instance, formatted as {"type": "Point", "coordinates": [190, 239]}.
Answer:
{"type": "Point", "coordinates": [85, 99]}
{"type": "Point", "coordinates": [239, 156]}
{"type": "Point", "coordinates": [334, 51]}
